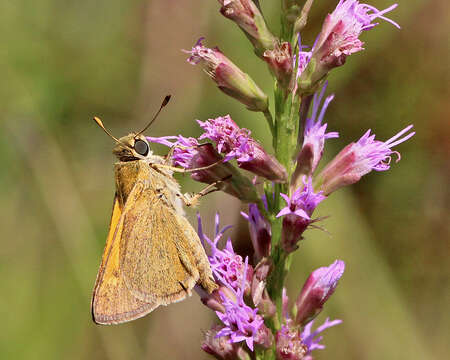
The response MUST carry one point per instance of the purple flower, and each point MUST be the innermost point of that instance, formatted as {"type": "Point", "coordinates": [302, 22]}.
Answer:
{"type": "Point", "coordinates": [242, 323]}
{"type": "Point", "coordinates": [341, 30]}
{"type": "Point", "coordinates": [260, 231]}
{"type": "Point", "coordinates": [297, 214]}
{"type": "Point", "coordinates": [229, 78]}
{"type": "Point", "coordinates": [319, 286]}
{"type": "Point", "coordinates": [314, 137]}
{"type": "Point", "coordinates": [229, 138]}
{"type": "Point", "coordinates": [303, 57]}
{"type": "Point", "coordinates": [339, 38]}
{"type": "Point", "coordinates": [226, 265]}
{"type": "Point", "coordinates": [314, 133]}
{"type": "Point", "coordinates": [311, 339]}
{"type": "Point", "coordinates": [236, 143]}
{"type": "Point", "coordinates": [303, 201]}
{"type": "Point", "coordinates": [360, 158]}
{"type": "Point", "coordinates": [189, 154]}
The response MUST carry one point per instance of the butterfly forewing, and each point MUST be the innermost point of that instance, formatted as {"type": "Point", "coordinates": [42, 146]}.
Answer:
{"type": "Point", "coordinates": [112, 303]}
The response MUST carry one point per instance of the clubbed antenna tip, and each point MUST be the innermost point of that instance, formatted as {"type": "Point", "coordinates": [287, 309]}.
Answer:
{"type": "Point", "coordinates": [164, 103]}
{"type": "Point", "coordinates": [100, 123]}
{"type": "Point", "coordinates": [166, 100]}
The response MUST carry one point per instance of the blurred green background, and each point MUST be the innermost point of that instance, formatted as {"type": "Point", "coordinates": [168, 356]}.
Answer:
{"type": "Point", "coordinates": [64, 61]}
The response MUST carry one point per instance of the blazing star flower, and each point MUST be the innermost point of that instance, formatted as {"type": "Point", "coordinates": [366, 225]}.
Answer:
{"type": "Point", "coordinates": [226, 265]}
{"type": "Point", "coordinates": [189, 154]}
{"type": "Point", "coordinates": [260, 231]}
{"type": "Point", "coordinates": [319, 286]}
{"type": "Point", "coordinates": [303, 201]}
{"type": "Point", "coordinates": [229, 78]}
{"type": "Point", "coordinates": [360, 158]}
{"type": "Point", "coordinates": [242, 323]}
{"type": "Point", "coordinates": [314, 133]}
{"type": "Point", "coordinates": [303, 57]}
{"type": "Point", "coordinates": [314, 138]}
{"type": "Point", "coordinates": [341, 30]}
{"type": "Point", "coordinates": [297, 214]}
{"type": "Point", "coordinates": [339, 38]}
{"type": "Point", "coordinates": [236, 143]}
{"type": "Point", "coordinates": [311, 339]}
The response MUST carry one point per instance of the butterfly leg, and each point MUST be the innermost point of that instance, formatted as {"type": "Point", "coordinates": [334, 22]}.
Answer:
{"type": "Point", "coordinates": [192, 200]}
{"type": "Point", "coordinates": [168, 159]}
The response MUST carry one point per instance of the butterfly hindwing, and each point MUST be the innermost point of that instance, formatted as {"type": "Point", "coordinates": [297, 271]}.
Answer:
{"type": "Point", "coordinates": [155, 258]}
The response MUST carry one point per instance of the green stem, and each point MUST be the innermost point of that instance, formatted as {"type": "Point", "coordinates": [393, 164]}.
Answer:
{"type": "Point", "coordinates": [285, 143]}
{"type": "Point", "coordinates": [284, 128]}
{"type": "Point", "coordinates": [269, 119]}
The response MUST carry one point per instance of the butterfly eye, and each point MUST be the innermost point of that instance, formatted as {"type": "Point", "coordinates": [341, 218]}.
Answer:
{"type": "Point", "coordinates": [141, 147]}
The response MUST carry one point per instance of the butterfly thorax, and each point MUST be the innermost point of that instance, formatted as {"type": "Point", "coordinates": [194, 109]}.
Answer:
{"type": "Point", "coordinates": [162, 185]}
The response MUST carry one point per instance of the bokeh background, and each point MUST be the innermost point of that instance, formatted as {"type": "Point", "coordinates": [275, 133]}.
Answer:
{"type": "Point", "coordinates": [64, 61]}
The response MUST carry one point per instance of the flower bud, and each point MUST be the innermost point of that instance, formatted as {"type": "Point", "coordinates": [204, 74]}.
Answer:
{"type": "Point", "coordinates": [291, 10]}
{"type": "Point", "coordinates": [266, 306]}
{"type": "Point", "coordinates": [280, 62]}
{"type": "Point", "coordinates": [260, 231]}
{"type": "Point", "coordinates": [289, 345]}
{"type": "Point", "coordinates": [221, 347]}
{"type": "Point", "coordinates": [213, 300]}
{"type": "Point", "coordinates": [229, 78]}
{"type": "Point", "coordinates": [260, 295]}
{"type": "Point", "coordinates": [264, 337]}
{"type": "Point", "coordinates": [319, 286]}
{"type": "Point", "coordinates": [300, 22]}
{"type": "Point", "coordinates": [249, 18]}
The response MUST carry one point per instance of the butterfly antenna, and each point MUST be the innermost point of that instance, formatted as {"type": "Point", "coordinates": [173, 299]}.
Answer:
{"type": "Point", "coordinates": [99, 123]}
{"type": "Point", "coordinates": [164, 103]}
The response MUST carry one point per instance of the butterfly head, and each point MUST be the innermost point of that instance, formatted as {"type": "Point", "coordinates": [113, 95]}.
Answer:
{"type": "Point", "coordinates": [132, 147]}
